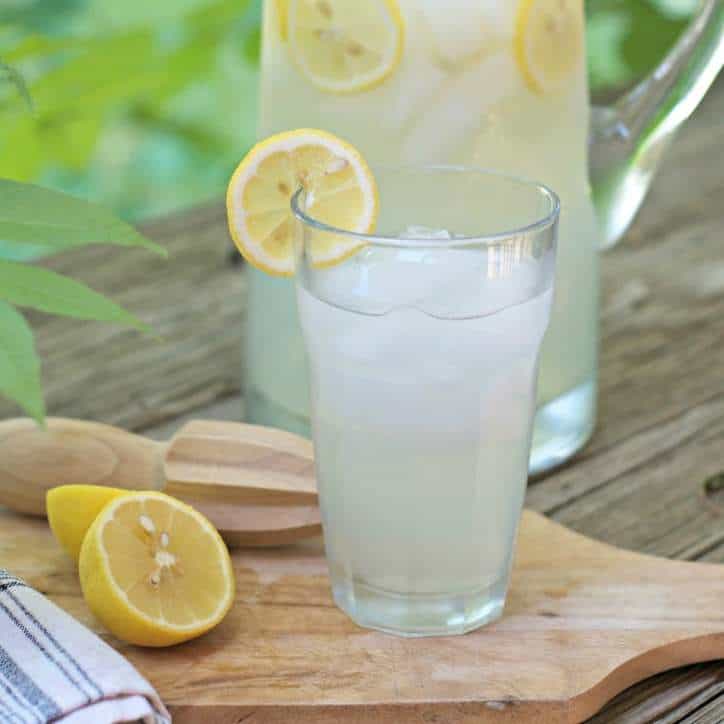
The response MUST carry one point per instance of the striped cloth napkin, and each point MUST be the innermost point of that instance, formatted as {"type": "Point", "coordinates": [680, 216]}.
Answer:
{"type": "Point", "coordinates": [52, 669]}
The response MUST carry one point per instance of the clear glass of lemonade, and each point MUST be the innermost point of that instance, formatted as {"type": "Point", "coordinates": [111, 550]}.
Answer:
{"type": "Point", "coordinates": [422, 350]}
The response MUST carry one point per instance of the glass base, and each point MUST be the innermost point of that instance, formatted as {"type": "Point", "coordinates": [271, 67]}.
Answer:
{"type": "Point", "coordinates": [562, 427]}
{"type": "Point", "coordinates": [417, 615]}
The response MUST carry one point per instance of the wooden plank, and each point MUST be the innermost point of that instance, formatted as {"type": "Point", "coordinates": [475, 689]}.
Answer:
{"type": "Point", "coordinates": [582, 621]}
{"type": "Point", "coordinates": [665, 698]}
{"type": "Point", "coordinates": [647, 493]}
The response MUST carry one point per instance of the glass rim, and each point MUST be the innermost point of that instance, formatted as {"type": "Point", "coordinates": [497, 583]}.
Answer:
{"type": "Point", "coordinates": [545, 221]}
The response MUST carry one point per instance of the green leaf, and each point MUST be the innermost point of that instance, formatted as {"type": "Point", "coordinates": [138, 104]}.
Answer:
{"type": "Point", "coordinates": [185, 66]}
{"type": "Point", "coordinates": [676, 8]}
{"type": "Point", "coordinates": [74, 142]}
{"type": "Point", "coordinates": [36, 14]}
{"type": "Point", "coordinates": [103, 72]}
{"type": "Point", "coordinates": [19, 363]}
{"type": "Point", "coordinates": [112, 14]}
{"type": "Point", "coordinates": [46, 291]}
{"type": "Point", "coordinates": [252, 46]}
{"type": "Point", "coordinates": [35, 46]}
{"type": "Point", "coordinates": [627, 39]}
{"type": "Point", "coordinates": [22, 155]}
{"type": "Point", "coordinates": [34, 215]}
{"type": "Point", "coordinates": [219, 14]}
{"type": "Point", "coordinates": [605, 35]}
{"type": "Point", "coordinates": [15, 77]}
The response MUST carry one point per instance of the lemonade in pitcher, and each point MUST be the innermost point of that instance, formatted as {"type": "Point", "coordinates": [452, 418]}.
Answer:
{"type": "Point", "coordinates": [489, 83]}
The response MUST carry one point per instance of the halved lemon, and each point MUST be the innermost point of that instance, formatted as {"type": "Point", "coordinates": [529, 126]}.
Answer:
{"type": "Point", "coordinates": [345, 46]}
{"type": "Point", "coordinates": [155, 571]}
{"type": "Point", "coordinates": [341, 192]}
{"type": "Point", "coordinates": [548, 42]}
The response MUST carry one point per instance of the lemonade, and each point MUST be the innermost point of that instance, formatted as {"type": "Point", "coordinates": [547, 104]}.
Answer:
{"type": "Point", "coordinates": [422, 431]}
{"type": "Point", "coordinates": [492, 83]}
{"type": "Point", "coordinates": [422, 350]}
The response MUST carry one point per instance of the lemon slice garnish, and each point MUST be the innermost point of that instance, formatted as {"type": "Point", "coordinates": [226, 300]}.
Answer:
{"type": "Point", "coordinates": [345, 46]}
{"type": "Point", "coordinates": [548, 42]}
{"type": "Point", "coordinates": [341, 191]}
{"type": "Point", "coordinates": [155, 571]}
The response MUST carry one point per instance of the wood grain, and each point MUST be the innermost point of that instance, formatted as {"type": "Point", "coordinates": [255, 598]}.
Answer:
{"type": "Point", "coordinates": [33, 460]}
{"type": "Point", "coordinates": [583, 620]}
{"type": "Point", "coordinates": [240, 463]}
{"type": "Point", "coordinates": [256, 484]}
{"type": "Point", "coordinates": [640, 483]}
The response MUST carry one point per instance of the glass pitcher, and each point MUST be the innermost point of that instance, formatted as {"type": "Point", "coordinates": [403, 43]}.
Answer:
{"type": "Point", "coordinates": [493, 83]}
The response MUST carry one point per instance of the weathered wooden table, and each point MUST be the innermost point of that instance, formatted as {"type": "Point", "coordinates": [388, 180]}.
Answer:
{"type": "Point", "coordinates": [652, 477]}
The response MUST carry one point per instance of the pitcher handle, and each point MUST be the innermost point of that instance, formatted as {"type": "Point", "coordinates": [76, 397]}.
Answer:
{"type": "Point", "coordinates": [629, 137]}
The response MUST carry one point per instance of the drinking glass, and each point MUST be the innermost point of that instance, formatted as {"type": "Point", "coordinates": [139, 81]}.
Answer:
{"type": "Point", "coordinates": [422, 348]}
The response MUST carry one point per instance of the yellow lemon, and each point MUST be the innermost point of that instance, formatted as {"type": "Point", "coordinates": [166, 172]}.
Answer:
{"type": "Point", "coordinates": [71, 510]}
{"type": "Point", "coordinates": [345, 46]}
{"type": "Point", "coordinates": [155, 571]}
{"type": "Point", "coordinates": [548, 42]}
{"type": "Point", "coordinates": [341, 191]}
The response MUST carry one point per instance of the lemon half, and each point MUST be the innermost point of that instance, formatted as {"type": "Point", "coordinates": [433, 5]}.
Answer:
{"type": "Point", "coordinates": [341, 193]}
{"type": "Point", "coordinates": [155, 571]}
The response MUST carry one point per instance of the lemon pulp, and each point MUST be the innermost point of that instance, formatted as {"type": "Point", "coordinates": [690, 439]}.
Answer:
{"type": "Point", "coordinates": [154, 571]}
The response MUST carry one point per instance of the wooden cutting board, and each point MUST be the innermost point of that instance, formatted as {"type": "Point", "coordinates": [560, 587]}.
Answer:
{"type": "Point", "coordinates": [583, 621]}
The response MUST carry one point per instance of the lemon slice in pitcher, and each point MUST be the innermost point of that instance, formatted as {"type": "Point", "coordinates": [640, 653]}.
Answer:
{"type": "Point", "coordinates": [345, 46]}
{"type": "Point", "coordinates": [548, 42]}
{"type": "Point", "coordinates": [155, 571]}
{"type": "Point", "coordinates": [341, 193]}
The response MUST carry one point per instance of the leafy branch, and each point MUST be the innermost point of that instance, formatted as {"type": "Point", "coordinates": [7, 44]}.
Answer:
{"type": "Point", "coordinates": [87, 85]}
{"type": "Point", "coordinates": [135, 67]}
{"type": "Point", "coordinates": [36, 216]}
{"type": "Point", "coordinates": [19, 363]}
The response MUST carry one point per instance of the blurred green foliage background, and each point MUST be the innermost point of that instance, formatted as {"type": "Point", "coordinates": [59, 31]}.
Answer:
{"type": "Point", "coordinates": [145, 105]}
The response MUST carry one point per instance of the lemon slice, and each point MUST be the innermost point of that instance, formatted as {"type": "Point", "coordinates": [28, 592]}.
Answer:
{"type": "Point", "coordinates": [71, 510]}
{"type": "Point", "coordinates": [345, 46]}
{"type": "Point", "coordinates": [548, 42]}
{"type": "Point", "coordinates": [154, 571]}
{"type": "Point", "coordinates": [341, 193]}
